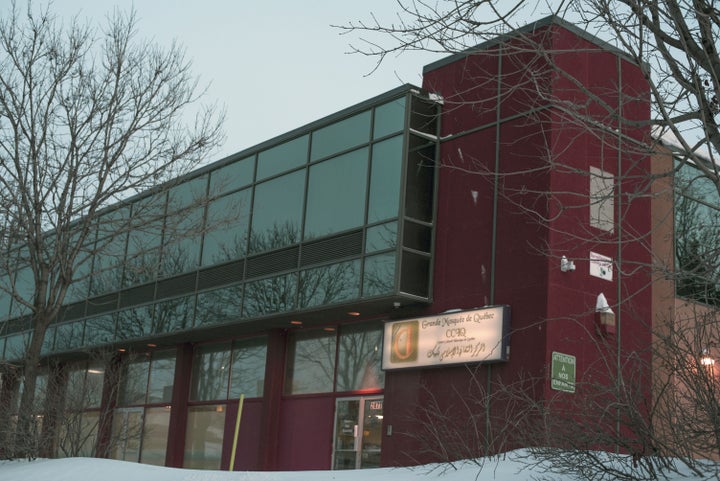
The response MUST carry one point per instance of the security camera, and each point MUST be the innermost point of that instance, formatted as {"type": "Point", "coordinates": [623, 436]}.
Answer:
{"type": "Point", "coordinates": [566, 265]}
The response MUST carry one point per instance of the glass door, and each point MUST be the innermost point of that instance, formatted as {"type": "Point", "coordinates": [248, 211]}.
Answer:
{"type": "Point", "coordinates": [358, 432]}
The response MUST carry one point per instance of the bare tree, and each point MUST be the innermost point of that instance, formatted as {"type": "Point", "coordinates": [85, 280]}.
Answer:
{"type": "Point", "coordinates": [674, 45]}
{"type": "Point", "coordinates": [88, 117]}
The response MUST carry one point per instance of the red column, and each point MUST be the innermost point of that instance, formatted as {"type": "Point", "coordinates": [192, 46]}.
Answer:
{"type": "Point", "coordinates": [272, 400]}
{"type": "Point", "coordinates": [179, 410]}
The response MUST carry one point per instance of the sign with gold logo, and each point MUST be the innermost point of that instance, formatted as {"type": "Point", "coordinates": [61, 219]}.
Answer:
{"type": "Point", "coordinates": [479, 335]}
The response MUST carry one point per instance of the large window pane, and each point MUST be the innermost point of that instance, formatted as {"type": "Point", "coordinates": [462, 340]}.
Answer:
{"type": "Point", "coordinates": [219, 306]}
{"type": "Point", "coordinates": [107, 265]}
{"type": "Point", "coordinates": [189, 193]}
{"type": "Point", "coordinates": [211, 368]}
{"type": "Point", "coordinates": [126, 434]}
{"type": "Point", "coordinates": [311, 362]}
{"type": "Point", "coordinates": [133, 385]}
{"type": "Point", "coordinates": [379, 275]}
{"type": "Point", "coordinates": [697, 222]}
{"type": "Point", "coordinates": [277, 212]}
{"type": "Point", "coordinates": [99, 330]}
{"type": "Point", "coordinates": [94, 385]}
{"type": "Point", "coordinates": [389, 118]}
{"type": "Point", "coordinates": [248, 367]}
{"type": "Point", "coordinates": [181, 250]}
{"type": "Point", "coordinates": [25, 287]}
{"type": "Point", "coordinates": [80, 287]}
{"type": "Point", "coordinates": [162, 378]}
{"type": "Point", "coordinates": [283, 157]}
{"type": "Point", "coordinates": [276, 294]}
{"type": "Point", "coordinates": [381, 237]}
{"type": "Point", "coordinates": [16, 345]}
{"type": "Point", "coordinates": [154, 438]}
{"type": "Point", "coordinates": [329, 284]}
{"type": "Point", "coordinates": [336, 194]}
{"type": "Point", "coordinates": [48, 344]}
{"type": "Point", "coordinates": [233, 176]}
{"type": "Point", "coordinates": [83, 396]}
{"type": "Point", "coordinates": [386, 172]}
{"type": "Point", "coordinates": [78, 434]}
{"type": "Point", "coordinates": [69, 336]}
{"type": "Point", "coordinates": [144, 240]}
{"type": "Point", "coordinates": [174, 315]}
{"type": "Point", "coordinates": [134, 322]}
{"type": "Point", "coordinates": [182, 237]}
{"type": "Point", "coordinates": [204, 437]}
{"type": "Point", "coordinates": [227, 227]}
{"type": "Point", "coordinates": [340, 136]}
{"type": "Point", "coordinates": [359, 358]}
{"type": "Point", "coordinates": [5, 299]}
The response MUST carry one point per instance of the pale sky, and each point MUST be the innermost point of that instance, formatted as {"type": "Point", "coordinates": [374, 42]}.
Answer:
{"type": "Point", "coordinates": [275, 64]}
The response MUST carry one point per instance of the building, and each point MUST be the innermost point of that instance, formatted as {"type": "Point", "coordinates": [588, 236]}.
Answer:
{"type": "Point", "coordinates": [484, 213]}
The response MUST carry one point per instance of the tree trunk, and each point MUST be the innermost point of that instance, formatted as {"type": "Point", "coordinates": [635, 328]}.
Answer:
{"type": "Point", "coordinates": [26, 434]}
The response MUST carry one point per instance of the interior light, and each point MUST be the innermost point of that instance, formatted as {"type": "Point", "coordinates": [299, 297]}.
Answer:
{"type": "Point", "coordinates": [353, 313]}
{"type": "Point", "coordinates": [151, 345]}
{"type": "Point", "coordinates": [94, 371]}
{"type": "Point", "coordinates": [296, 323]}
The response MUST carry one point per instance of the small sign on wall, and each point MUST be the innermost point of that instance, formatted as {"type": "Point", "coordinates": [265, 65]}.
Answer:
{"type": "Point", "coordinates": [562, 372]}
{"type": "Point", "coordinates": [601, 266]}
{"type": "Point", "coordinates": [479, 335]}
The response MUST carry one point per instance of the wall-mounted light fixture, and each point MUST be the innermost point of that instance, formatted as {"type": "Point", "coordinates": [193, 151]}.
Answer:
{"type": "Point", "coordinates": [604, 316]}
{"type": "Point", "coordinates": [705, 358]}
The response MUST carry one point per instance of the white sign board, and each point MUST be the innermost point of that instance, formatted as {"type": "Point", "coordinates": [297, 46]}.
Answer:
{"type": "Point", "coordinates": [601, 266]}
{"type": "Point", "coordinates": [479, 335]}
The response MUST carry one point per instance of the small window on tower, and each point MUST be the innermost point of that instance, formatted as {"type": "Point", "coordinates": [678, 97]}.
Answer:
{"type": "Point", "coordinates": [602, 203]}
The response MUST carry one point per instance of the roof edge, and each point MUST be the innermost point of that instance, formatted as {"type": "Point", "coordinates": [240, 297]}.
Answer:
{"type": "Point", "coordinates": [531, 27]}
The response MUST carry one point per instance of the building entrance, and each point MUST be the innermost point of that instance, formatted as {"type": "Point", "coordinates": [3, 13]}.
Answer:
{"type": "Point", "coordinates": [358, 432]}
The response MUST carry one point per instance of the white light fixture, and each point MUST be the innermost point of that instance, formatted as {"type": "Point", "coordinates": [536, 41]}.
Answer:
{"type": "Point", "coordinates": [705, 358]}
{"type": "Point", "coordinates": [604, 315]}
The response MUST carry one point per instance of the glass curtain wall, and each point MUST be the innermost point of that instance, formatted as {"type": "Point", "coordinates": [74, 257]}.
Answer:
{"type": "Point", "coordinates": [312, 220]}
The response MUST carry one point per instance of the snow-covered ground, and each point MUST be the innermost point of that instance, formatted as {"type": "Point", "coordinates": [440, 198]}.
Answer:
{"type": "Point", "coordinates": [509, 467]}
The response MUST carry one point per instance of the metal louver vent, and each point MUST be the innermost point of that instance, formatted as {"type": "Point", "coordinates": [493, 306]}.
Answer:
{"type": "Point", "coordinates": [273, 262]}
{"type": "Point", "coordinates": [334, 248]}
{"type": "Point", "coordinates": [101, 304]}
{"type": "Point", "coordinates": [137, 295]}
{"type": "Point", "coordinates": [177, 285]}
{"type": "Point", "coordinates": [73, 311]}
{"type": "Point", "coordinates": [221, 275]}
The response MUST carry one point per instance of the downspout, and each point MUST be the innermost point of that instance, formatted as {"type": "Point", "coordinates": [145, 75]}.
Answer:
{"type": "Point", "coordinates": [493, 240]}
{"type": "Point", "coordinates": [618, 316]}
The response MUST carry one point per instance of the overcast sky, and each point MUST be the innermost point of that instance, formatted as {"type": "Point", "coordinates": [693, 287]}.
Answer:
{"type": "Point", "coordinates": [274, 64]}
